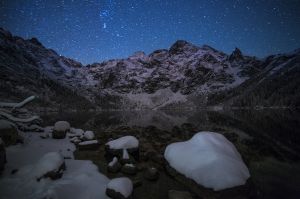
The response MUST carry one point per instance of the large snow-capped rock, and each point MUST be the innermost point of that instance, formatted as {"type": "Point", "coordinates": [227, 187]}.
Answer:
{"type": "Point", "coordinates": [209, 159]}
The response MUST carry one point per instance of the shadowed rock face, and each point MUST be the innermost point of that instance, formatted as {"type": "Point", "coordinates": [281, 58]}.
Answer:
{"type": "Point", "coordinates": [184, 73]}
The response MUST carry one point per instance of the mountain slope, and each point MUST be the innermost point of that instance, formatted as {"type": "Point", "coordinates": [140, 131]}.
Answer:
{"type": "Point", "coordinates": [28, 68]}
{"type": "Point", "coordinates": [184, 76]}
{"type": "Point", "coordinates": [278, 84]}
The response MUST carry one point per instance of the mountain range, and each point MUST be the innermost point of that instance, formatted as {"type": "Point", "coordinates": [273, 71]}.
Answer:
{"type": "Point", "coordinates": [185, 76]}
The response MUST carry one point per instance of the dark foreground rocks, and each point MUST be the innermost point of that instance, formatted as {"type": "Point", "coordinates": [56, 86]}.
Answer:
{"type": "Point", "coordinates": [2, 156]}
{"type": "Point", "coordinates": [173, 194]}
{"type": "Point", "coordinates": [9, 133]}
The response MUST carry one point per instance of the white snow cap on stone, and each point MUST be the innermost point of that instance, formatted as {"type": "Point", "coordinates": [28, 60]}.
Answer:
{"type": "Point", "coordinates": [209, 159]}
{"type": "Point", "coordinates": [49, 162]}
{"type": "Point", "coordinates": [77, 132]}
{"type": "Point", "coordinates": [113, 162]}
{"type": "Point", "coordinates": [126, 142]}
{"type": "Point", "coordinates": [61, 126]}
{"type": "Point", "coordinates": [89, 142]}
{"type": "Point", "coordinates": [122, 185]}
{"type": "Point", "coordinates": [89, 135]}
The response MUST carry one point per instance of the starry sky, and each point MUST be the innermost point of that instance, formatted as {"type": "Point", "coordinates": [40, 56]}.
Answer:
{"type": "Point", "coordinates": [97, 30]}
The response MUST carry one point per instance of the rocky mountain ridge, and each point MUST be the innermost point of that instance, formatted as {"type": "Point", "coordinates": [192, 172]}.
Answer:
{"type": "Point", "coordinates": [184, 76]}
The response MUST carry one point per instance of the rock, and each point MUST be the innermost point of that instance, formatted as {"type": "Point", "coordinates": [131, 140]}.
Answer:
{"type": "Point", "coordinates": [75, 140]}
{"type": "Point", "coordinates": [76, 132]}
{"type": "Point", "coordinates": [44, 136]}
{"type": "Point", "coordinates": [88, 145]}
{"type": "Point", "coordinates": [60, 129]}
{"type": "Point", "coordinates": [173, 194]}
{"type": "Point", "coordinates": [119, 188]}
{"type": "Point", "coordinates": [129, 169]}
{"type": "Point", "coordinates": [151, 174]}
{"type": "Point", "coordinates": [126, 158]}
{"type": "Point", "coordinates": [114, 166]}
{"type": "Point", "coordinates": [88, 135]}
{"type": "Point", "coordinates": [115, 147]}
{"type": "Point", "coordinates": [2, 156]}
{"type": "Point", "coordinates": [210, 160]}
{"type": "Point", "coordinates": [8, 133]}
{"type": "Point", "coordinates": [51, 165]}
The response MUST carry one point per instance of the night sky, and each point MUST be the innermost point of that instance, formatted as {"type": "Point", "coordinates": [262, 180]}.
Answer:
{"type": "Point", "coordinates": [92, 31]}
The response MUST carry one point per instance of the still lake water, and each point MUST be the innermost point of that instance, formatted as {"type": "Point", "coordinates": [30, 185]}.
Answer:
{"type": "Point", "coordinates": [268, 140]}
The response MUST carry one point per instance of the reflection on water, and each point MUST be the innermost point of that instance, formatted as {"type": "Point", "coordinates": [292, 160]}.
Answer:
{"type": "Point", "coordinates": [269, 140]}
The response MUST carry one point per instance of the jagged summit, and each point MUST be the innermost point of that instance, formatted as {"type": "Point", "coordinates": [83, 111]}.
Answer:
{"type": "Point", "coordinates": [181, 45]}
{"type": "Point", "coordinates": [236, 55]}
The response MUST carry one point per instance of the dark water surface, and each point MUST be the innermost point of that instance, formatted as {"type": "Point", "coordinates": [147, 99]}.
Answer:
{"type": "Point", "coordinates": [268, 140]}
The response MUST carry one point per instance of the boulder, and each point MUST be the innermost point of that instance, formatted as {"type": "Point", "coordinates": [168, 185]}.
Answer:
{"type": "Point", "coordinates": [126, 158]}
{"type": "Point", "coordinates": [210, 160]}
{"type": "Point", "coordinates": [119, 188]}
{"type": "Point", "coordinates": [76, 133]}
{"type": "Point", "coordinates": [114, 166]}
{"type": "Point", "coordinates": [129, 169]}
{"type": "Point", "coordinates": [88, 135]}
{"type": "Point", "coordinates": [115, 147]}
{"type": "Point", "coordinates": [9, 133]}
{"type": "Point", "coordinates": [60, 129]}
{"type": "Point", "coordinates": [51, 165]}
{"type": "Point", "coordinates": [151, 174]}
{"type": "Point", "coordinates": [75, 140]}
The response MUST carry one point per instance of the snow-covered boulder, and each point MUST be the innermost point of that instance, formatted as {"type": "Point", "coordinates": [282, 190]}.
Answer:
{"type": "Point", "coordinates": [114, 166]}
{"type": "Point", "coordinates": [116, 147]}
{"type": "Point", "coordinates": [2, 156]}
{"type": "Point", "coordinates": [76, 132]}
{"type": "Point", "coordinates": [209, 159]}
{"type": "Point", "coordinates": [60, 129]}
{"type": "Point", "coordinates": [75, 140]}
{"type": "Point", "coordinates": [126, 142]}
{"type": "Point", "coordinates": [8, 132]}
{"type": "Point", "coordinates": [125, 158]}
{"type": "Point", "coordinates": [119, 188]}
{"type": "Point", "coordinates": [88, 135]}
{"type": "Point", "coordinates": [51, 165]}
{"type": "Point", "coordinates": [88, 145]}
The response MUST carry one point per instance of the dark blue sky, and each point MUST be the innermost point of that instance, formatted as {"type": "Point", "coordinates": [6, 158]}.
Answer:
{"type": "Point", "coordinates": [92, 31]}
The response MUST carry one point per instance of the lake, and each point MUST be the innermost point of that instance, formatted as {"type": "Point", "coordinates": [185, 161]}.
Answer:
{"type": "Point", "coordinates": [268, 140]}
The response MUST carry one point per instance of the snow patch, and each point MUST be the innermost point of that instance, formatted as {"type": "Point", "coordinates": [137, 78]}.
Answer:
{"type": "Point", "coordinates": [88, 142]}
{"type": "Point", "coordinates": [125, 142]}
{"type": "Point", "coordinates": [89, 135]}
{"type": "Point", "coordinates": [49, 162]}
{"type": "Point", "coordinates": [121, 185]}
